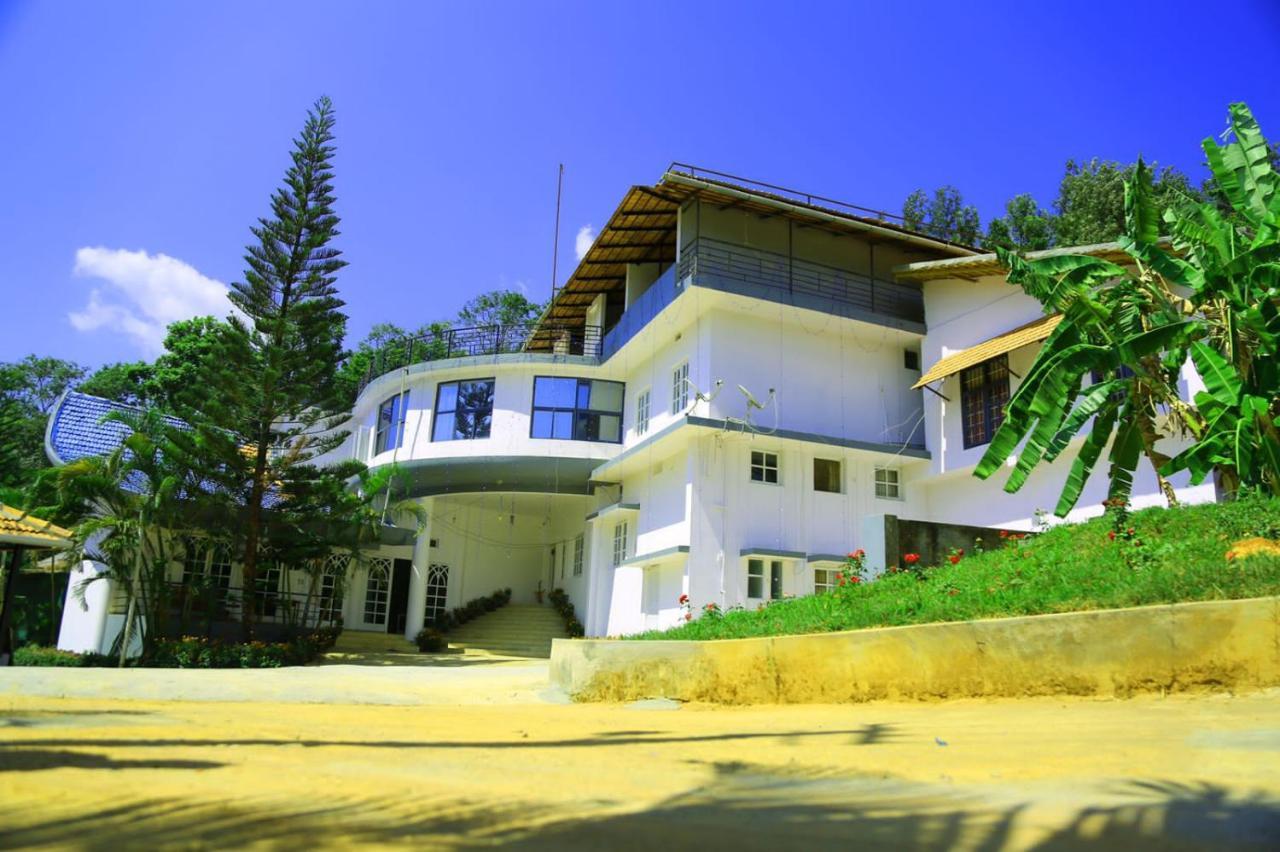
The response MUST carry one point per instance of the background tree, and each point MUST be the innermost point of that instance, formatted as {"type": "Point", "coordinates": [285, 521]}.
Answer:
{"type": "Point", "coordinates": [28, 390]}
{"type": "Point", "coordinates": [1090, 203]}
{"type": "Point", "coordinates": [944, 215]}
{"type": "Point", "coordinates": [499, 307]}
{"type": "Point", "coordinates": [129, 382]}
{"type": "Point", "coordinates": [1025, 225]}
{"type": "Point", "coordinates": [271, 402]}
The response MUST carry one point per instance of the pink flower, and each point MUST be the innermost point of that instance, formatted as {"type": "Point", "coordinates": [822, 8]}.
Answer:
{"type": "Point", "coordinates": [684, 599]}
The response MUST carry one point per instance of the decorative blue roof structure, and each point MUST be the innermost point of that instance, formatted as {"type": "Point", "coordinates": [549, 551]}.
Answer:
{"type": "Point", "coordinates": [77, 429]}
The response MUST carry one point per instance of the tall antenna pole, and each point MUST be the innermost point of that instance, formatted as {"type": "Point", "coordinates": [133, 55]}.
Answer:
{"type": "Point", "coordinates": [555, 244]}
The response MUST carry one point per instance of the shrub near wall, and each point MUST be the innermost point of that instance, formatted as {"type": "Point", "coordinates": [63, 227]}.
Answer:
{"type": "Point", "coordinates": [194, 652]}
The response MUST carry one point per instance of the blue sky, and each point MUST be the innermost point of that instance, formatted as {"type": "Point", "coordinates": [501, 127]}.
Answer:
{"type": "Point", "coordinates": [141, 140]}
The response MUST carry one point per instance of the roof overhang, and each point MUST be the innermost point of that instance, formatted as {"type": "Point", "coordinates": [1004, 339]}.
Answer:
{"type": "Point", "coordinates": [19, 529]}
{"type": "Point", "coordinates": [1002, 344]}
{"type": "Point", "coordinates": [983, 265]}
{"type": "Point", "coordinates": [643, 230]}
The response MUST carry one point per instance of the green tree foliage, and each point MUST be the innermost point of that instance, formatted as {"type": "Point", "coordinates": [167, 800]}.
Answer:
{"type": "Point", "coordinates": [1213, 301]}
{"type": "Point", "coordinates": [28, 390]}
{"type": "Point", "coordinates": [1025, 225]}
{"type": "Point", "coordinates": [270, 402]}
{"type": "Point", "coordinates": [1090, 205]}
{"type": "Point", "coordinates": [943, 215]}
{"type": "Point", "coordinates": [499, 307]}
{"type": "Point", "coordinates": [129, 382]}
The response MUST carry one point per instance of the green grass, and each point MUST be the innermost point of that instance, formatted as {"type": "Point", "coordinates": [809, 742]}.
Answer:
{"type": "Point", "coordinates": [1069, 568]}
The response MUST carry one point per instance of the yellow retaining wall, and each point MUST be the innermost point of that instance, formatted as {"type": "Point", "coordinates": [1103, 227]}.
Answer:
{"type": "Point", "coordinates": [1212, 645]}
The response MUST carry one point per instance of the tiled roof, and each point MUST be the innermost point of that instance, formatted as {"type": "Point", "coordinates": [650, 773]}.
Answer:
{"type": "Point", "coordinates": [1023, 335]}
{"type": "Point", "coordinates": [77, 430]}
{"type": "Point", "coordinates": [30, 531]}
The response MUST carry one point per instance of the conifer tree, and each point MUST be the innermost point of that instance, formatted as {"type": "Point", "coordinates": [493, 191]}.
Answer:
{"type": "Point", "coordinates": [269, 406]}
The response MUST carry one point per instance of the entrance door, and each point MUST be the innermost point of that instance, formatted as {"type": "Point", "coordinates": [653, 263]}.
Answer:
{"type": "Point", "coordinates": [398, 609]}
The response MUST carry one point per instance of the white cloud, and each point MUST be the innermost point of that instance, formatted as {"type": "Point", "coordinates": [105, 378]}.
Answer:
{"type": "Point", "coordinates": [144, 293]}
{"type": "Point", "coordinates": [586, 236]}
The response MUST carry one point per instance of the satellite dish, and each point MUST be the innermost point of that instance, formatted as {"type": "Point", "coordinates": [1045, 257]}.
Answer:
{"type": "Point", "coordinates": [752, 402]}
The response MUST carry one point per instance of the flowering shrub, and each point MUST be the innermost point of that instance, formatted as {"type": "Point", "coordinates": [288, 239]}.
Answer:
{"type": "Point", "coordinates": [197, 652]}
{"type": "Point", "coordinates": [430, 641]}
{"type": "Point", "coordinates": [854, 569]}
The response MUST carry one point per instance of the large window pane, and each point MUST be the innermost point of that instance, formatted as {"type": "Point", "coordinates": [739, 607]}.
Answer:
{"type": "Point", "coordinates": [606, 396]}
{"type": "Point", "coordinates": [577, 409]}
{"type": "Point", "coordinates": [464, 410]}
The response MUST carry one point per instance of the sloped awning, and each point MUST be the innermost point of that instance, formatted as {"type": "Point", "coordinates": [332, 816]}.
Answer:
{"type": "Point", "coordinates": [28, 531]}
{"type": "Point", "coordinates": [1002, 344]}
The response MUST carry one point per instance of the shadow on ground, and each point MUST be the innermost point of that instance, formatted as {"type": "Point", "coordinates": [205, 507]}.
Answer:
{"type": "Point", "coordinates": [743, 807]}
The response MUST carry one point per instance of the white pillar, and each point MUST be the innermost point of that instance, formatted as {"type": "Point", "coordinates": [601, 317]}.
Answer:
{"type": "Point", "coordinates": [418, 577]}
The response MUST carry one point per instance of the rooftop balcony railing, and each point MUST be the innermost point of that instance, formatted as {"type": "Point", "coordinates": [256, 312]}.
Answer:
{"type": "Point", "coordinates": [780, 277]}
{"type": "Point", "coordinates": [443, 343]}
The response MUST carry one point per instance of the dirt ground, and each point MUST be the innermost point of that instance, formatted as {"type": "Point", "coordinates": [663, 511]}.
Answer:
{"type": "Point", "coordinates": [530, 772]}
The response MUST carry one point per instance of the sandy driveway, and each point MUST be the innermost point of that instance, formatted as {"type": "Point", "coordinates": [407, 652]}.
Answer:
{"type": "Point", "coordinates": [494, 762]}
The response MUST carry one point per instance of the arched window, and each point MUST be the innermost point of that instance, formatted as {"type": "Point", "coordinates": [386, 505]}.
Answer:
{"type": "Point", "coordinates": [332, 581]}
{"type": "Point", "coordinates": [437, 590]}
{"type": "Point", "coordinates": [377, 590]}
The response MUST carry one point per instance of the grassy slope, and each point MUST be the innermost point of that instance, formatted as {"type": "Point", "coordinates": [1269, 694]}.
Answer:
{"type": "Point", "coordinates": [1071, 567]}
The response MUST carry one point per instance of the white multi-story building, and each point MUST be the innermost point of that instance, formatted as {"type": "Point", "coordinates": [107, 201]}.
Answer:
{"type": "Point", "coordinates": [733, 388]}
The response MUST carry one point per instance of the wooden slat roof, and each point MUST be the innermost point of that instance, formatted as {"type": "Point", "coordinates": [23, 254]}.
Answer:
{"type": "Point", "coordinates": [1001, 344]}
{"type": "Point", "coordinates": [643, 230]}
{"type": "Point", "coordinates": [981, 265]}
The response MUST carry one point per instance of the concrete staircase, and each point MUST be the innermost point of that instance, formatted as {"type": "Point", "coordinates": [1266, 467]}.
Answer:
{"type": "Point", "coordinates": [515, 630]}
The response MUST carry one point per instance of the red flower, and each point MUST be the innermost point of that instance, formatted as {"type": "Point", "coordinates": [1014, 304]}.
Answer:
{"type": "Point", "coordinates": [911, 558]}
{"type": "Point", "coordinates": [688, 616]}
{"type": "Point", "coordinates": [1112, 535]}
{"type": "Point", "coordinates": [859, 553]}
{"type": "Point", "coordinates": [684, 599]}
{"type": "Point", "coordinates": [841, 581]}
{"type": "Point", "coordinates": [955, 558]}
{"type": "Point", "coordinates": [960, 551]}
{"type": "Point", "coordinates": [855, 579]}
{"type": "Point", "coordinates": [1130, 530]}
{"type": "Point", "coordinates": [1004, 534]}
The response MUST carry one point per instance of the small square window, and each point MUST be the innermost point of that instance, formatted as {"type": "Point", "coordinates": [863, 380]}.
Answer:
{"type": "Point", "coordinates": [824, 580]}
{"type": "Point", "coordinates": [888, 483]}
{"type": "Point", "coordinates": [911, 360]}
{"type": "Point", "coordinates": [764, 467]}
{"type": "Point", "coordinates": [826, 475]}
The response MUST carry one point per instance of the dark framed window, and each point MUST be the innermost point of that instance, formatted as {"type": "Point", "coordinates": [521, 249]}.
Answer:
{"type": "Point", "coordinates": [390, 429]}
{"type": "Point", "coordinates": [577, 409]}
{"type": "Point", "coordinates": [464, 410]}
{"type": "Point", "coordinates": [984, 390]}
{"type": "Point", "coordinates": [911, 360]}
{"type": "Point", "coordinates": [764, 467]}
{"type": "Point", "coordinates": [756, 579]}
{"type": "Point", "coordinates": [826, 475]}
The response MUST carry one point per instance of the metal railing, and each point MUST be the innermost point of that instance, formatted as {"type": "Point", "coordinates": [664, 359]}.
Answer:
{"type": "Point", "coordinates": [451, 342]}
{"type": "Point", "coordinates": [791, 194]}
{"type": "Point", "coordinates": [757, 268]}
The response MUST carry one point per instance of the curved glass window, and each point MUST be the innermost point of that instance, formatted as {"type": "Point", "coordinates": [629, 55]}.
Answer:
{"type": "Point", "coordinates": [577, 409]}
{"type": "Point", "coordinates": [464, 410]}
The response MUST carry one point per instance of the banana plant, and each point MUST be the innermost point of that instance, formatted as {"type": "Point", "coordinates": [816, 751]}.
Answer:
{"type": "Point", "coordinates": [1207, 295]}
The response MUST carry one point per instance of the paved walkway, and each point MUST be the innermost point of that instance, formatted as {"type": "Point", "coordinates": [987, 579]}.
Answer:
{"type": "Point", "coordinates": [99, 772]}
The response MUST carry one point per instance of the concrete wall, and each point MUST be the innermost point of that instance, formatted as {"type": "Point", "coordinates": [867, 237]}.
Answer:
{"type": "Point", "coordinates": [1214, 645]}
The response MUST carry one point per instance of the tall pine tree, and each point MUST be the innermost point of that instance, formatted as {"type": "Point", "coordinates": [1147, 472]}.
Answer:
{"type": "Point", "coordinates": [271, 405]}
